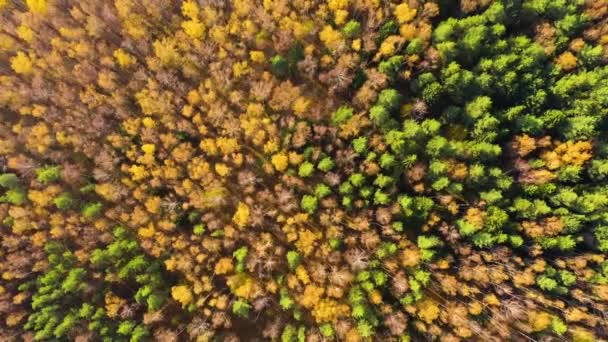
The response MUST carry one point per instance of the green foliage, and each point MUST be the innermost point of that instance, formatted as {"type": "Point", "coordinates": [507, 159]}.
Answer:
{"type": "Point", "coordinates": [360, 145]}
{"type": "Point", "coordinates": [567, 278]}
{"type": "Point", "coordinates": [598, 170]}
{"type": "Point", "coordinates": [293, 259]}
{"type": "Point", "coordinates": [381, 198]}
{"type": "Point", "coordinates": [341, 115]}
{"type": "Point", "coordinates": [386, 249]}
{"type": "Point", "coordinates": [322, 191]}
{"type": "Point", "coordinates": [388, 28]}
{"type": "Point", "coordinates": [290, 334]}
{"type": "Point", "coordinates": [14, 197]}
{"type": "Point", "coordinates": [558, 326]}
{"type": "Point", "coordinates": [327, 330]}
{"type": "Point", "coordinates": [64, 201]}
{"type": "Point", "coordinates": [357, 179]}
{"type": "Point", "coordinates": [92, 210]}
{"type": "Point", "coordinates": [9, 180]}
{"type": "Point", "coordinates": [379, 115]}
{"type": "Point", "coordinates": [124, 258]}
{"type": "Point", "coordinates": [418, 207]}
{"type": "Point", "coordinates": [389, 99]}
{"type": "Point", "coordinates": [346, 188]}
{"type": "Point", "coordinates": [63, 282]}
{"type": "Point", "coordinates": [351, 29]}
{"type": "Point", "coordinates": [48, 174]}
{"type": "Point", "coordinates": [387, 160]}
{"type": "Point", "coordinates": [391, 66]}
{"type": "Point", "coordinates": [428, 242]}
{"type": "Point", "coordinates": [326, 164]}
{"type": "Point", "coordinates": [240, 255]}
{"type": "Point", "coordinates": [309, 203]}
{"type": "Point", "coordinates": [198, 229]}
{"type": "Point", "coordinates": [601, 235]}
{"type": "Point", "coordinates": [546, 283]}
{"type": "Point", "coordinates": [241, 308]}
{"type": "Point", "coordinates": [285, 300]}
{"type": "Point", "coordinates": [279, 66]}
{"type": "Point", "coordinates": [415, 47]}
{"type": "Point", "coordinates": [306, 169]}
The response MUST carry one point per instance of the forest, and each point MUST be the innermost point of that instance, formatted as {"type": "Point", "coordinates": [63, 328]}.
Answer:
{"type": "Point", "coordinates": [304, 170]}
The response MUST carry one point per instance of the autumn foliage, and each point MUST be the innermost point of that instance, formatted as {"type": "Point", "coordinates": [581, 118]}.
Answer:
{"type": "Point", "coordinates": [307, 170]}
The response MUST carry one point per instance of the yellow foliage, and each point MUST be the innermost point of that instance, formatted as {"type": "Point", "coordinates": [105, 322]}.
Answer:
{"type": "Point", "coordinates": [113, 304]}
{"type": "Point", "coordinates": [153, 204]}
{"type": "Point", "coordinates": [223, 266]}
{"type": "Point", "coordinates": [335, 5]}
{"type": "Point", "coordinates": [182, 294]}
{"type": "Point", "coordinates": [107, 191]}
{"type": "Point", "coordinates": [375, 297]}
{"type": "Point", "coordinates": [491, 300]}
{"type": "Point", "coordinates": [22, 64]}
{"type": "Point", "coordinates": [123, 58]}
{"type": "Point", "coordinates": [257, 56]}
{"type": "Point", "coordinates": [241, 216]}
{"type": "Point", "coordinates": [524, 145]}
{"type": "Point", "coordinates": [582, 335]}
{"type": "Point", "coordinates": [271, 146]}
{"type": "Point", "coordinates": [340, 17]}
{"type": "Point", "coordinates": [7, 43]}
{"type": "Point", "coordinates": [166, 52]}
{"type": "Point", "coordinates": [566, 61]}
{"type": "Point", "coordinates": [227, 145]}
{"type": "Point", "coordinates": [25, 33]}
{"type": "Point", "coordinates": [330, 37]}
{"type": "Point", "coordinates": [241, 68]}
{"type": "Point", "coordinates": [198, 168]}
{"type": "Point", "coordinates": [37, 6]}
{"type": "Point", "coordinates": [194, 97]}
{"type": "Point", "coordinates": [242, 7]}
{"type": "Point", "coordinates": [243, 285]}
{"type": "Point", "coordinates": [146, 232]}
{"type": "Point", "coordinates": [218, 35]}
{"type": "Point", "coordinates": [190, 9]}
{"type": "Point", "coordinates": [408, 31]}
{"type": "Point", "coordinates": [14, 318]}
{"type": "Point", "coordinates": [539, 320]}
{"type": "Point", "coordinates": [194, 28]}
{"type": "Point", "coordinates": [300, 105]}
{"type": "Point", "coordinates": [208, 146]}
{"type": "Point", "coordinates": [475, 217]}
{"type": "Point", "coordinates": [280, 161]}
{"type": "Point", "coordinates": [45, 197]}
{"type": "Point", "coordinates": [131, 126]}
{"type": "Point", "coordinates": [222, 169]}
{"type": "Point", "coordinates": [148, 148]}
{"type": "Point", "coordinates": [20, 297]}
{"type": "Point", "coordinates": [428, 310]}
{"type": "Point", "coordinates": [302, 275]}
{"type": "Point", "coordinates": [138, 172]}
{"type": "Point", "coordinates": [307, 238]}
{"type": "Point", "coordinates": [404, 13]}
{"type": "Point", "coordinates": [388, 46]}
{"type": "Point", "coordinates": [568, 153]}
{"type": "Point", "coordinates": [410, 257]}
{"type": "Point", "coordinates": [329, 310]}
{"type": "Point", "coordinates": [311, 296]}
{"type": "Point", "coordinates": [295, 158]}
{"type": "Point", "coordinates": [148, 122]}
